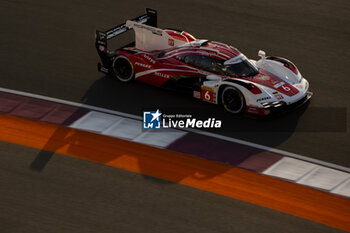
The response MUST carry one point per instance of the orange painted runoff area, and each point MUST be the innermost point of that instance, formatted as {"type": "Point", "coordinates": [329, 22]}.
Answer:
{"type": "Point", "coordinates": [202, 174]}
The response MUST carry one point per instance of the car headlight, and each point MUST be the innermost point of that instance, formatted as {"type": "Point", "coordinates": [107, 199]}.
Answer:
{"type": "Point", "coordinates": [306, 85]}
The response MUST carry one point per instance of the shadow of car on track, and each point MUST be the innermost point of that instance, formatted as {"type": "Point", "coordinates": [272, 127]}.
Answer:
{"type": "Point", "coordinates": [136, 97]}
{"type": "Point", "coordinates": [117, 152]}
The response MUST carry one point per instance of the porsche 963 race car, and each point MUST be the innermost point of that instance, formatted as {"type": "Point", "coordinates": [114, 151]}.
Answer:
{"type": "Point", "coordinates": [210, 70]}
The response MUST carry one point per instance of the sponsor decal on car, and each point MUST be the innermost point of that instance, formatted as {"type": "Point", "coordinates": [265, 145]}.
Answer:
{"type": "Point", "coordinates": [116, 31]}
{"type": "Point", "coordinates": [143, 65]}
{"type": "Point", "coordinates": [171, 42]}
{"type": "Point", "coordinates": [149, 59]}
{"type": "Point", "coordinates": [196, 94]}
{"type": "Point", "coordinates": [162, 75]}
{"type": "Point", "coordinates": [278, 95]}
{"type": "Point", "coordinates": [264, 98]}
{"type": "Point", "coordinates": [253, 110]}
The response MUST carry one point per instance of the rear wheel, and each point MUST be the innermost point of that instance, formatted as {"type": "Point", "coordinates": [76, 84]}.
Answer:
{"type": "Point", "coordinates": [232, 100]}
{"type": "Point", "coordinates": [123, 69]}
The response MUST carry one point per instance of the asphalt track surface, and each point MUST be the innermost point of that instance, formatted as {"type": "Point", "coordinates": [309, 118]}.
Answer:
{"type": "Point", "coordinates": [47, 48]}
{"type": "Point", "coordinates": [75, 195]}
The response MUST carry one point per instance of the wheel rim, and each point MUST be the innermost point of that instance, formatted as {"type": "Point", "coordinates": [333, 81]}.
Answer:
{"type": "Point", "coordinates": [123, 69]}
{"type": "Point", "coordinates": [232, 100]}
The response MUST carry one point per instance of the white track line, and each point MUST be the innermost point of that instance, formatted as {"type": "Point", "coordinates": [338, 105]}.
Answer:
{"type": "Point", "coordinates": [235, 140]}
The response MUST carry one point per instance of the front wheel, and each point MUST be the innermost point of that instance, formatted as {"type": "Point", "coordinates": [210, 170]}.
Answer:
{"type": "Point", "coordinates": [232, 100]}
{"type": "Point", "coordinates": [123, 69]}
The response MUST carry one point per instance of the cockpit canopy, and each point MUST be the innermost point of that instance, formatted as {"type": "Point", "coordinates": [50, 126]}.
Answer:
{"type": "Point", "coordinates": [238, 66]}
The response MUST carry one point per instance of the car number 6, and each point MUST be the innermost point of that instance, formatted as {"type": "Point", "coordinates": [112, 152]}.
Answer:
{"type": "Point", "coordinates": [285, 88]}
{"type": "Point", "coordinates": [207, 96]}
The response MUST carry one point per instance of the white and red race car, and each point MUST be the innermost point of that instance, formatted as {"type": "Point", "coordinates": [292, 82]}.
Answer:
{"type": "Point", "coordinates": [211, 71]}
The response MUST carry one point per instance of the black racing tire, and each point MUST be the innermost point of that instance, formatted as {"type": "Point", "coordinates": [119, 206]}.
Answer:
{"type": "Point", "coordinates": [232, 99]}
{"type": "Point", "coordinates": [123, 69]}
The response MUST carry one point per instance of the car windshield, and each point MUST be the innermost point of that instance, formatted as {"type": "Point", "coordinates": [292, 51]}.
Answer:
{"type": "Point", "coordinates": [239, 68]}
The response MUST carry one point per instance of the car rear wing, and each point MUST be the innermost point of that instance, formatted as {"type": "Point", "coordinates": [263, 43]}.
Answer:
{"type": "Point", "coordinates": [149, 18]}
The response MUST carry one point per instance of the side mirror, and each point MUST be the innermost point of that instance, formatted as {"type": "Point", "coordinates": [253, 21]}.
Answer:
{"type": "Point", "coordinates": [261, 54]}
{"type": "Point", "coordinates": [213, 77]}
